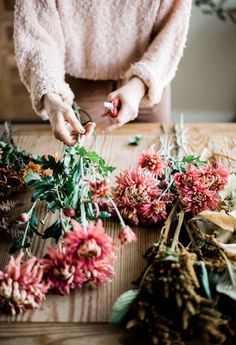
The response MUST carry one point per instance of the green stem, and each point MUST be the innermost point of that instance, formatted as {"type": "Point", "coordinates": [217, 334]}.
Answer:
{"type": "Point", "coordinates": [28, 224]}
{"type": "Point", "coordinates": [117, 212]}
{"type": "Point", "coordinates": [82, 206]}
{"type": "Point", "coordinates": [62, 220]}
{"type": "Point", "coordinates": [177, 231]}
{"type": "Point", "coordinates": [60, 211]}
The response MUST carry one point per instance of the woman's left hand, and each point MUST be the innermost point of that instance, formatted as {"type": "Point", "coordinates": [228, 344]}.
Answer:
{"type": "Point", "coordinates": [129, 97]}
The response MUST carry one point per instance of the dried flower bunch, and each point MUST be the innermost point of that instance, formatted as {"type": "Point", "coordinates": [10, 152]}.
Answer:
{"type": "Point", "coordinates": [188, 289]}
{"type": "Point", "coordinates": [72, 186]}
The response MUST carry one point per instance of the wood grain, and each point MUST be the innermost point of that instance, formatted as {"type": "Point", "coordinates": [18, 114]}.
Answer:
{"type": "Point", "coordinates": [74, 312]}
{"type": "Point", "coordinates": [57, 333]}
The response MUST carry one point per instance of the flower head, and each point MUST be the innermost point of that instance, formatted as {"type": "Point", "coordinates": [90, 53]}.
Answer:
{"type": "Point", "coordinates": [99, 189]}
{"type": "Point", "coordinates": [126, 235]}
{"type": "Point", "coordinates": [86, 256]}
{"type": "Point", "coordinates": [154, 211]}
{"type": "Point", "coordinates": [21, 285]}
{"type": "Point", "coordinates": [134, 188]}
{"type": "Point", "coordinates": [32, 166]}
{"type": "Point", "coordinates": [215, 176]}
{"type": "Point", "coordinates": [199, 188]}
{"type": "Point", "coordinates": [89, 243]}
{"type": "Point", "coordinates": [59, 271]}
{"type": "Point", "coordinates": [152, 161]}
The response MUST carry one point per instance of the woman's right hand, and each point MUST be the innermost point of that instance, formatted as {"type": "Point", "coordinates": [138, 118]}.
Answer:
{"type": "Point", "coordinates": [65, 125]}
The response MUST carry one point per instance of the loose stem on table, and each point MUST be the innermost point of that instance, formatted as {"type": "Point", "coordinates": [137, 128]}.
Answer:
{"type": "Point", "coordinates": [28, 224]}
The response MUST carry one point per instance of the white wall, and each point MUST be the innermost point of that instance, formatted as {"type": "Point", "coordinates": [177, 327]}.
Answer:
{"type": "Point", "coordinates": [205, 85]}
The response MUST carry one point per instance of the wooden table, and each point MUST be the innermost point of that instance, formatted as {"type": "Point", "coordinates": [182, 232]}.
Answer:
{"type": "Point", "coordinates": [82, 318]}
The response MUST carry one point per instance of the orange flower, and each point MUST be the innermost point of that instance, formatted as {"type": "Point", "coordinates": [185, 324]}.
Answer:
{"type": "Point", "coordinates": [47, 172]}
{"type": "Point", "coordinates": [32, 166]}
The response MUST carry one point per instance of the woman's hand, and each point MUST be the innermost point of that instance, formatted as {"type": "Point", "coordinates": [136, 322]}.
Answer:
{"type": "Point", "coordinates": [65, 125]}
{"type": "Point", "coordinates": [129, 97]}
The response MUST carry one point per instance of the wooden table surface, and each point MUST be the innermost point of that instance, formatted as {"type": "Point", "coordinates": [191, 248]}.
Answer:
{"type": "Point", "coordinates": [82, 317]}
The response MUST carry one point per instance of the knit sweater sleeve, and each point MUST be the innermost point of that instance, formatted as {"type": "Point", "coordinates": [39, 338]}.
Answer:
{"type": "Point", "coordinates": [159, 63]}
{"type": "Point", "coordinates": [40, 51]}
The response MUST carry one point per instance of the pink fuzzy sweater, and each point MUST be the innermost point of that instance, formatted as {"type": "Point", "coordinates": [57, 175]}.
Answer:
{"type": "Point", "coordinates": [99, 40]}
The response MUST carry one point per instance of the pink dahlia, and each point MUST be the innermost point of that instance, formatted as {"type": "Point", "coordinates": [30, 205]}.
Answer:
{"type": "Point", "coordinates": [199, 188]}
{"type": "Point", "coordinates": [60, 271]}
{"type": "Point", "coordinates": [97, 272]}
{"type": "Point", "coordinates": [152, 161]}
{"type": "Point", "coordinates": [134, 188]}
{"type": "Point", "coordinates": [154, 211]}
{"type": "Point", "coordinates": [21, 285]}
{"type": "Point", "coordinates": [126, 235]}
{"type": "Point", "coordinates": [92, 250]}
{"type": "Point", "coordinates": [197, 200]}
{"type": "Point", "coordinates": [86, 256]}
{"type": "Point", "coordinates": [188, 180]}
{"type": "Point", "coordinates": [92, 243]}
{"type": "Point", "coordinates": [138, 183]}
{"type": "Point", "coordinates": [215, 176]}
{"type": "Point", "coordinates": [99, 189]}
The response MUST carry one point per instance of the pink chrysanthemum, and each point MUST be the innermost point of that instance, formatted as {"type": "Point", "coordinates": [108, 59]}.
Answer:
{"type": "Point", "coordinates": [199, 189]}
{"type": "Point", "coordinates": [21, 285]}
{"type": "Point", "coordinates": [215, 176]}
{"type": "Point", "coordinates": [86, 256]}
{"type": "Point", "coordinates": [99, 189]}
{"type": "Point", "coordinates": [137, 179]}
{"type": "Point", "coordinates": [60, 271]}
{"type": "Point", "coordinates": [189, 179]}
{"type": "Point", "coordinates": [89, 244]}
{"type": "Point", "coordinates": [197, 200]}
{"type": "Point", "coordinates": [126, 235]}
{"type": "Point", "coordinates": [134, 188]}
{"type": "Point", "coordinates": [152, 161]}
{"type": "Point", "coordinates": [154, 211]}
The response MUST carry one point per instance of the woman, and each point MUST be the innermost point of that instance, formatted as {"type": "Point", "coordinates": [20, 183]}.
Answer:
{"type": "Point", "coordinates": [139, 42]}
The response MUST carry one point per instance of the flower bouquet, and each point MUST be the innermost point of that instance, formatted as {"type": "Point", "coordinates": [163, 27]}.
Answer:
{"type": "Point", "coordinates": [188, 288]}
{"type": "Point", "coordinates": [72, 187]}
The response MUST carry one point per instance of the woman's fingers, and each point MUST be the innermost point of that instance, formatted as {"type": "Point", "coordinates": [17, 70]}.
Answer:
{"type": "Point", "coordinates": [74, 122]}
{"type": "Point", "coordinates": [89, 129]}
{"type": "Point", "coordinates": [106, 112]}
{"type": "Point", "coordinates": [61, 130]}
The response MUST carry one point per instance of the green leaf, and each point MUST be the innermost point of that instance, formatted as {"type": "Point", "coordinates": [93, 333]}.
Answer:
{"type": "Point", "coordinates": [31, 178]}
{"type": "Point", "coordinates": [76, 173]}
{"type": "Point", "coordinates": [17, 245]}
{"type": "Point", "coordinates": [53, 231]}
{"type": "Point", "coordinates": [123, 305]}
{"type": "Point", "coordinates": [193, 159]}
{"type": "Point", "coordinates": [53, 205]}
{"type": "Point", "coordinates": [34, 219]}
{"type": "Point", "coordinates": [33, 229]}
{"type": "Point", "coordinates": [135, 140]}
{"type": "Point", "coordinates": [75, 196]}
{"type": "Point", "coordinates": [105, 169]}
{"type": "Point", "coordinates": [91, 155]}
{"type": "Point", "coordinates": [38, 194]}
{"type": "Point", "coordinates": [226, 284]}
{"type": "Point", "coordinates": [203, 278]}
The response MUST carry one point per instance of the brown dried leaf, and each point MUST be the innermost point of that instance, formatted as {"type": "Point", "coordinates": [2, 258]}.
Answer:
{"type": "Point", "coordinates": [221, 219]}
